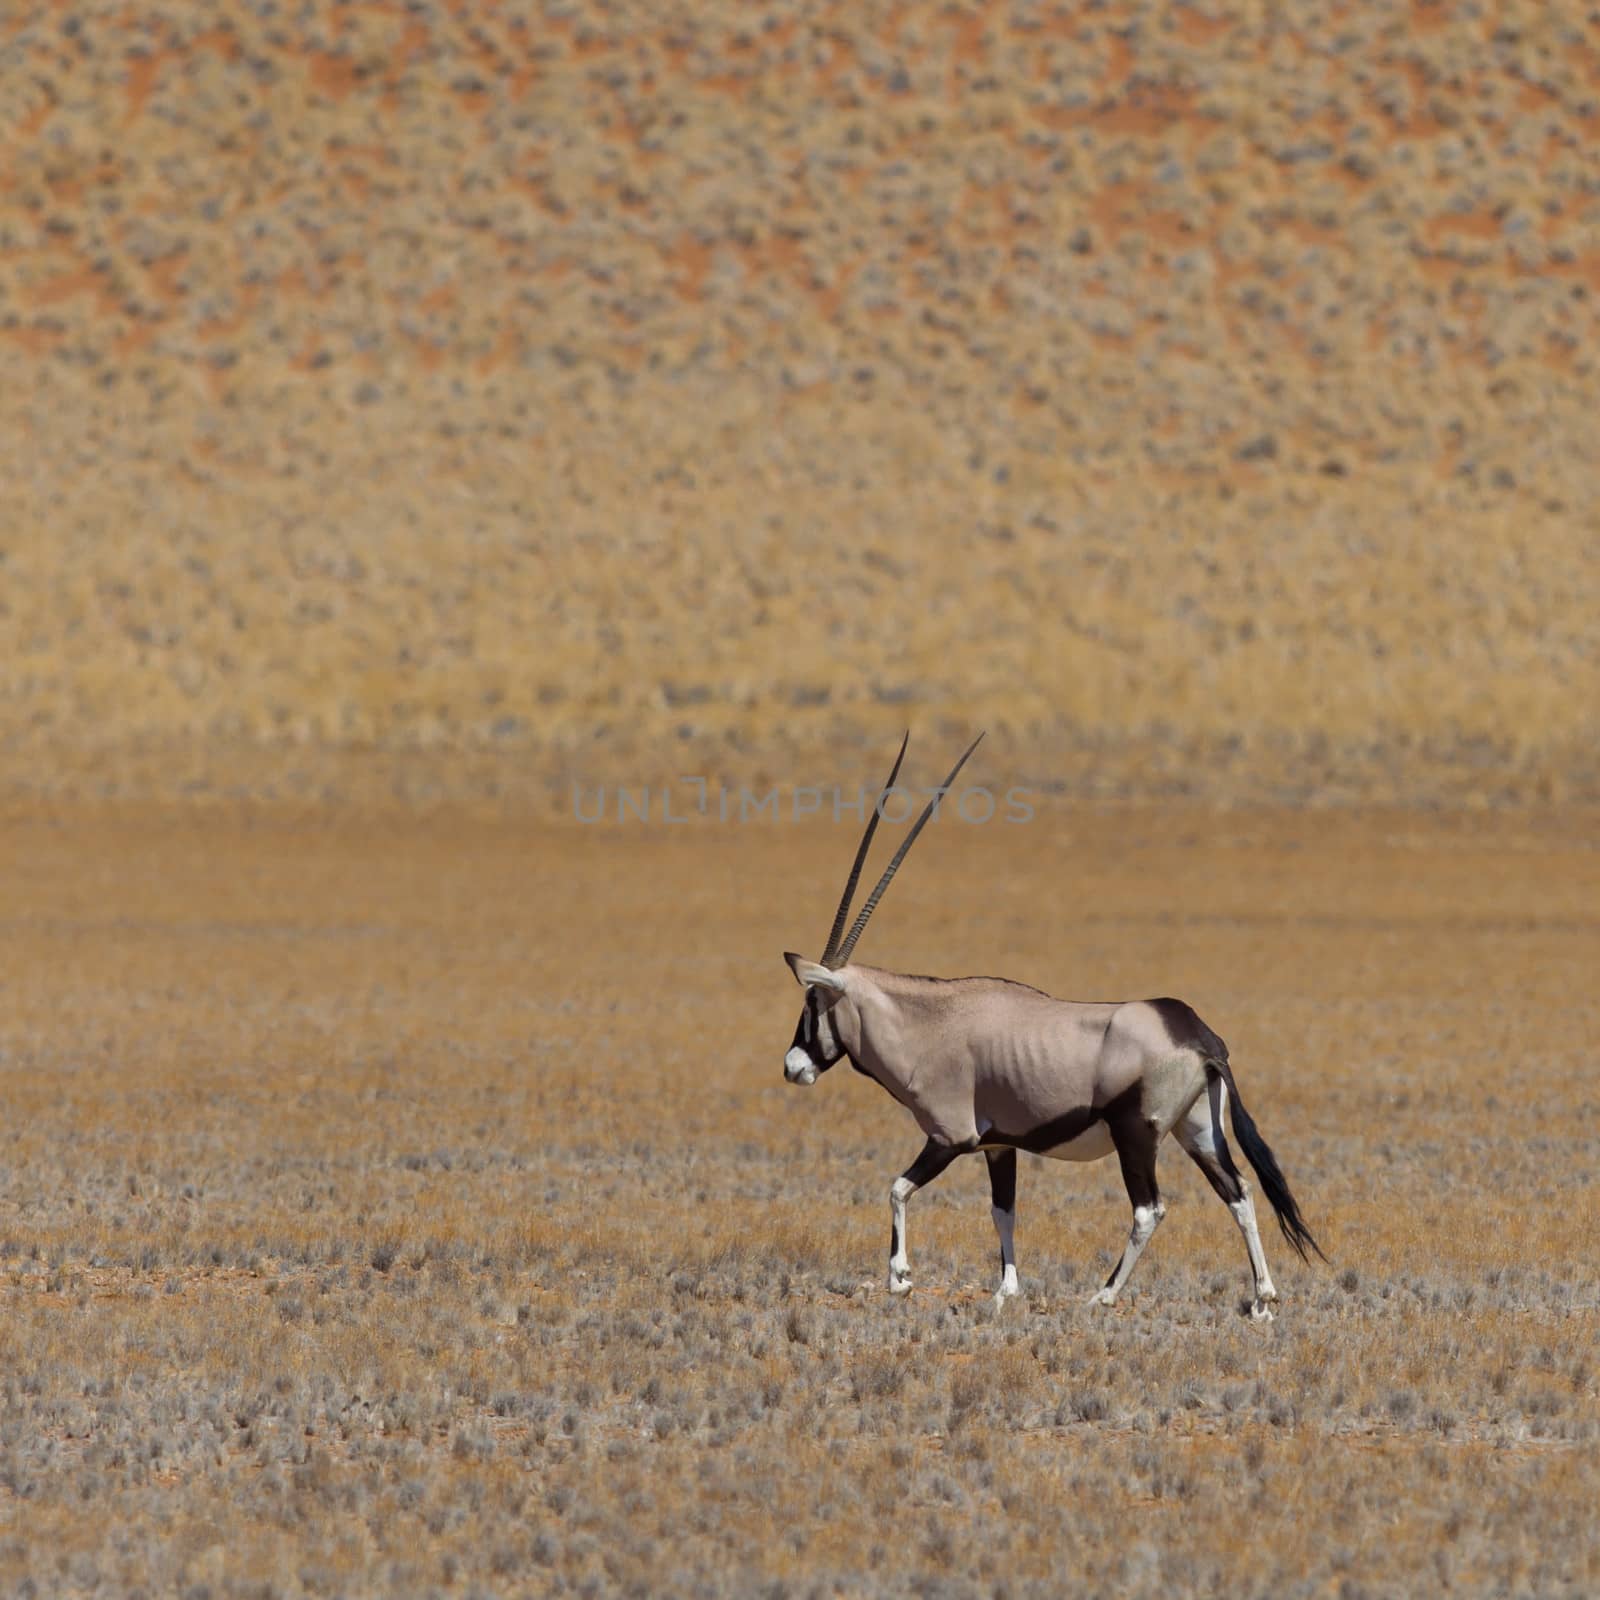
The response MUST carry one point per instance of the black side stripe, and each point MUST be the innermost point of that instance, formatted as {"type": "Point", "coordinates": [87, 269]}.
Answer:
{"type": "Point", "coordinates": [1067, 1127]}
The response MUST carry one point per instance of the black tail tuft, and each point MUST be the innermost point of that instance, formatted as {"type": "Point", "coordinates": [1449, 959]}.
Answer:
{"type": "Point", "coordinates": [1273, 1183]}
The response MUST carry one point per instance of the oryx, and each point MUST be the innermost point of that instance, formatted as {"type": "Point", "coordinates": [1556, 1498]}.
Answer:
{"type": "Point", "coordinates": [988, 1064]}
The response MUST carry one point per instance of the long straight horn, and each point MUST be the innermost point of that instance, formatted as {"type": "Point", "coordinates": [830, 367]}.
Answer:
{"type": "Point", "coordinates": [895, 860]}
{"type": "Point", "coordinates": [861, 855]}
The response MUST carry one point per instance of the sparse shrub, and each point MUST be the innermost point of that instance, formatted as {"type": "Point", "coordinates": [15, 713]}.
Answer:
{"type": "Point", "coordinates": [967, 1390]}
{"type": "Point", "coordinates": [472, 1444]}
{"type": "Point", "coordinates": [876, 1374]}
{"type": "Point", "coordinates": [940, 1546]}
{"type": "Point", "coordinates": [1085, 1405]}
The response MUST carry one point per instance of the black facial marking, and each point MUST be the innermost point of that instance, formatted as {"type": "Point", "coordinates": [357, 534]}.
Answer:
{"type": "Point", "coordinates": [808, 1035]}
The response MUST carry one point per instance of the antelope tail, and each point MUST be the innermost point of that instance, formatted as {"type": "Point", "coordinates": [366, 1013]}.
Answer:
{"type": "Point", "coordinates": [1259, 1154]}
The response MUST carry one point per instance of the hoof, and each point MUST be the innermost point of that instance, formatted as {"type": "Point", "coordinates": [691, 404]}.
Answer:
{"type": "Point", "coordinates": [1002, 1295]}
{"type": "Point", "coordinates": [1261, 1312]}
{"type": "Point", "coordinates": [1103, 1297]}
{"type": "Point", "coordinates": [898, 1284]}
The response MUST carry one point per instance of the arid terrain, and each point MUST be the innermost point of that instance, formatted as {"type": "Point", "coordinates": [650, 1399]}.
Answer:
{"type": "Point", "coordinates": [1201, 396]}
{"type": "Point", "coordinates": [423, 420]}
{"type": "Point", "coordinates": [415, 1206]}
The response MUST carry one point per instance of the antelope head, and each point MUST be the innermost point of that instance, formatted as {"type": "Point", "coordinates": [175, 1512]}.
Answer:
{"type": "Point", "coordinates": [817, 1043]}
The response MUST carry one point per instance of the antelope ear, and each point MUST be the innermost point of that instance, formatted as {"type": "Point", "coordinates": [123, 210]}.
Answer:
{"type": "Point", "coordinates": [806, 973]}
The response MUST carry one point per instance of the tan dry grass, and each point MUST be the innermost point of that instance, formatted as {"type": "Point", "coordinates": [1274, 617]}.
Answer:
{"type": "Point", "coordinates": [1201, 400]}
{"type": "Point", "coordinates": [416, 1206]}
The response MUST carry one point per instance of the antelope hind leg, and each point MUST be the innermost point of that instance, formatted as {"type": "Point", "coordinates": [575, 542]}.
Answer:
{"type": "Point", "coordinates": [1200, 1134]}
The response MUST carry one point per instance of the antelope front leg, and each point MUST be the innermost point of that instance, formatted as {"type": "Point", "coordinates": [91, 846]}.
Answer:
{"type": "Point", "coordinates": [935, 1157]}
{"type": "Point", "coordinates": [1003, 1208]}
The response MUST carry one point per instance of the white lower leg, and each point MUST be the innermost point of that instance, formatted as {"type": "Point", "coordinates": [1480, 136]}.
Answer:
{"type": "Point", "coordinates": [1146, 1219]}
{"type": "Point", "coordinates": [900, 1191]}
{"type": "Point", "coordinates": [1244, 1213]}
{"type": "Point", "coordinates": [1004, 1225]}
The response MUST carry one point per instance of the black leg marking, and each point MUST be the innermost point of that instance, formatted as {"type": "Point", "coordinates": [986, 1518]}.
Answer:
{"type": "Point", "coordinates": [1273, 1183]}
{"type": "Point", "coordinates": [1135, 1141]}
{"type": "Point", "coordinates": [1003, 1208]}
{"type": "Point", "coordinates": [1200, 1134]}
{"type": "Point", "coordinates": [932, 1160]}
{"type": "Point", "coordinates": [1003, 1179]}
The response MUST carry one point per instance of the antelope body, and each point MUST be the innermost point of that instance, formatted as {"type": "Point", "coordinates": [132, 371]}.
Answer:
{"type": "Point", "coordinates": [988, 1064]}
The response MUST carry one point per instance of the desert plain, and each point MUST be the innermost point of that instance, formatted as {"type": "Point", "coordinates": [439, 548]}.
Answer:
{"type": "Point", "coordinates": [415, 1206]}
{"type": "Point", "coordinates": [418, 419]}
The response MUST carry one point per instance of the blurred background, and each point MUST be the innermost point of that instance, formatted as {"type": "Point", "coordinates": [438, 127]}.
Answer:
{"type": "Point", "coordinates": [454, 401]}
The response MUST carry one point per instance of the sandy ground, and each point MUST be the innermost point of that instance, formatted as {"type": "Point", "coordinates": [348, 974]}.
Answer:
{"type": "Point", "coordinates": [415, 1205]}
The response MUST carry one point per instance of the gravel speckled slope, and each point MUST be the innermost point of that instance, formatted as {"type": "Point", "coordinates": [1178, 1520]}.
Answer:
{"type": "Point", "coordinates": [1199, 397]}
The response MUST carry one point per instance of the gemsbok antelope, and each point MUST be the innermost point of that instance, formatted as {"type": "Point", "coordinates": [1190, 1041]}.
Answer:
{"type": "Point", "coordinates": [988, 1064]}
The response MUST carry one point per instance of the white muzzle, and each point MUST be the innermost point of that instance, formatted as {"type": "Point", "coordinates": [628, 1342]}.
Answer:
{"type": "Point", "coordinates": [798, 1067]}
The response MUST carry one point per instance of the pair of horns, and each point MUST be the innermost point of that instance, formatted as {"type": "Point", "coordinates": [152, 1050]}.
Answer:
{"type": "Point", "coordinates": [838, 952]}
